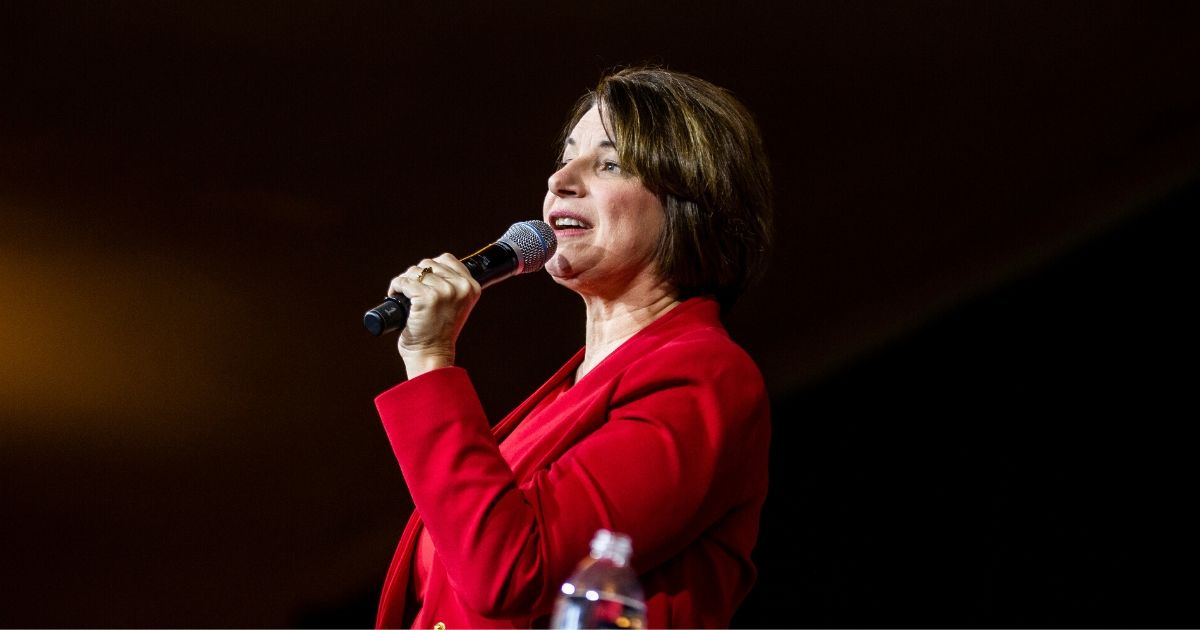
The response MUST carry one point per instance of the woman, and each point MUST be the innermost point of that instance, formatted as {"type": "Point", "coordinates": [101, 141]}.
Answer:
{"type": "Point", "coordinates": [657, 428]}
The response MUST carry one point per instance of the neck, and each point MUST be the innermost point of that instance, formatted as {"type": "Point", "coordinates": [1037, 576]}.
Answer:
{"type": "Point", "coordinates": [610, 322]}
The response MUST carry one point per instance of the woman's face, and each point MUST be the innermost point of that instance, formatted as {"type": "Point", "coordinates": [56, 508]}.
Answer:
{"type": "Point", "coordinates": [606, 221]}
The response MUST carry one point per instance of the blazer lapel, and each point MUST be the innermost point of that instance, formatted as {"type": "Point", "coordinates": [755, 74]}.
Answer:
{"type": "Point", "coordinates": [584, 407]}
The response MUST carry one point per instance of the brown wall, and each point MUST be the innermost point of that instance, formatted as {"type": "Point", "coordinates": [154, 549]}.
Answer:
{"type": "Point", "coordinates": [197, 203]}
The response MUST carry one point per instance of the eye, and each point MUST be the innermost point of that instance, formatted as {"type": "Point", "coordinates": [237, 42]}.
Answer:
{"type": "Point", "coordinates": [609, 166]}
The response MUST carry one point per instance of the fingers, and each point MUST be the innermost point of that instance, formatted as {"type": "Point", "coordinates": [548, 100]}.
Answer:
{"type": "Point", "coordinates": [445, 276]}
{"type": "Point", "coordinates": [447, 271]}
{"type": "Point", "coordinates": [441, 294]}
{"type": "Point", "coordinates": [406, 283]}
{"type": "Point", "coordinates": [449, 262]}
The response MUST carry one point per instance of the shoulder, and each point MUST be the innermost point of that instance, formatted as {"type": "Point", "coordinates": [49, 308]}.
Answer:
{"type": "Point", "coordinates": [692, 339]}
{"type": "Point", "coordinates": [701, 355]}
{"type": "Point", "coordinates": [703, 391]}
{"type": "Point", "coordinates": [695, 353]}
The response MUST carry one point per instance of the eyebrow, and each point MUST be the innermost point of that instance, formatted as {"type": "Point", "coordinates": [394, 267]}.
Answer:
{"type": "Point", "coordinates": [604, 144]}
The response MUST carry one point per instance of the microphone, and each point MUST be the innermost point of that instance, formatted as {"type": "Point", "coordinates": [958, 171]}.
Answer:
{"type": "Point", "coordinates": [525, 247]}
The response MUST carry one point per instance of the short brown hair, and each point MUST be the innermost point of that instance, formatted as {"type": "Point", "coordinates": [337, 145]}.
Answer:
{"type": "Point", "coordinates": [696, 147]}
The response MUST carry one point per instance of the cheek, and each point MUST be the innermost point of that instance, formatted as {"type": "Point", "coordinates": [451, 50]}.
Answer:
{"type": "Point", "coordinates": [648, 221]}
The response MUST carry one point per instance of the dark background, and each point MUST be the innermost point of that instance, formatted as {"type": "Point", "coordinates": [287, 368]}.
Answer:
{"type": "Point", "coordinates": [976, 330]}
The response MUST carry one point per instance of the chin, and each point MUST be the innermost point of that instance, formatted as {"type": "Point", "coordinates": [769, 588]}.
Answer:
{"type": "Point", "coordinates": [558, 268]}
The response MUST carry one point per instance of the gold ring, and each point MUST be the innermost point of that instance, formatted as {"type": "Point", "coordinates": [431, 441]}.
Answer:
{"type": "Point", "coordinates": [421, 276]}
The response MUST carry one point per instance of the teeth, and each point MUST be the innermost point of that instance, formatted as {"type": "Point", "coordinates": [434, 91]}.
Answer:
{"type": "Point", "coordinates": [566, 222]}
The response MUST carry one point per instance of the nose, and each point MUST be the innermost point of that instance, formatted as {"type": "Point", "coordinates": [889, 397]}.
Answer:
{"type": "Point", "coordinates": [565, 181]}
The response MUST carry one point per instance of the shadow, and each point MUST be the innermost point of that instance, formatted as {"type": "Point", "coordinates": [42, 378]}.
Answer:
{"type": "Point", "coordinates": [1018, 461]}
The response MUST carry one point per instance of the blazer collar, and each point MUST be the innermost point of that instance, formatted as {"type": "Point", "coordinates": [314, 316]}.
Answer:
{"type": "Point", "coordinates": [698, 311]}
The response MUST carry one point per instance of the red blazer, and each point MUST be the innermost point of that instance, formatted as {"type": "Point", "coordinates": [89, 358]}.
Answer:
{"type": "Point", "coordinates": [665, 440]}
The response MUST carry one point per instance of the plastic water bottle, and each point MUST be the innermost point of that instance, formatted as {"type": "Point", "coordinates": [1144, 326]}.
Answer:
{"type": "Point", "coordinates": [604, 591]}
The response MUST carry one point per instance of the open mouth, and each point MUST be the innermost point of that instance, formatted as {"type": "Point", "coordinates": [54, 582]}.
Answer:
{"type": "Point", "coordinates": [569, 223]}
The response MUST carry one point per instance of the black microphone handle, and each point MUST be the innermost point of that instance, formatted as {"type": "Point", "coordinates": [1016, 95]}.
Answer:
{"type": "Point", "coordinates": [492, 264]}
{"type": "Point", "coordinates": [488, 266]}
{"type": "Point", "coordinates": [388, 317]}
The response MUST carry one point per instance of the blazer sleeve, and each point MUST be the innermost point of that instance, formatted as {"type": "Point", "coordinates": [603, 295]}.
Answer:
{"type": "Point", "coordinates": [683, 423]}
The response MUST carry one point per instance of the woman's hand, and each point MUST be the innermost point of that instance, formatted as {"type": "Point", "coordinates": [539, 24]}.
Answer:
{"type": "Point", "coordinates": [442, 293]}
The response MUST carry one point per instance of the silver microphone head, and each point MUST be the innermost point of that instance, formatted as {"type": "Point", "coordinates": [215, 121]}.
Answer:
{"type": "Point", "coordinates": [533, 241]}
